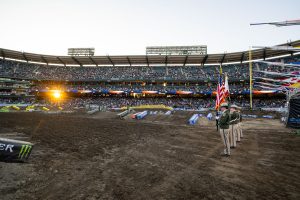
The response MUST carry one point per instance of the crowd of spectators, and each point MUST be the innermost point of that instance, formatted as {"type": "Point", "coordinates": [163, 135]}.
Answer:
{"type": "Point", "coordinates": [206, 74]}
{"type": "Point", "coordinates": [20, 100]}
{"type": "Point", "coordinates": [23, 70]}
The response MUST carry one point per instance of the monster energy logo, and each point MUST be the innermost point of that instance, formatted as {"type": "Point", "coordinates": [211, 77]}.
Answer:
{"type": "Point", "coordinates": [25, 150]}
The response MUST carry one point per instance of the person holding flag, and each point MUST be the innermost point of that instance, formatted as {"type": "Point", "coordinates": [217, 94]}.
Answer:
{"type": "Point", "coordinates": [234, 116]}
{"type": "Point", "coordinates": [224, 118]}
{"type": "Point", "coordinates": [224, 128]}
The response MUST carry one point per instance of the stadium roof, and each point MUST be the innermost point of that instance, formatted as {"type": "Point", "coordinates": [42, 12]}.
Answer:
{"type": "Point", "coordinates": [222, 58]}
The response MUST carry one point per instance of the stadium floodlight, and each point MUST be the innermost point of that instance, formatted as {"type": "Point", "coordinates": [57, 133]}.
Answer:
{"type": "Point", "coordinates": [280, 24]}
{"type": "Point", "coordinates": [56, 94]}
{"type": "Point", "coordinates": [284, 48]}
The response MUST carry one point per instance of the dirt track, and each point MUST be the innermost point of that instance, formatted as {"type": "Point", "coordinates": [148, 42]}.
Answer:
{"type": "Point", "coordinates": [101, 157]}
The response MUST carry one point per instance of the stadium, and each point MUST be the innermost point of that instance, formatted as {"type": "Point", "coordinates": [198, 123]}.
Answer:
{"type": "Point", "coordinates": [186, 82]}
{"type": "Point", "coordinates": [86, 126]}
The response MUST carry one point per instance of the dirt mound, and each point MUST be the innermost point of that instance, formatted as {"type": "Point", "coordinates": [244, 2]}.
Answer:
{"type": "Point", "coordinates": [81, 157]}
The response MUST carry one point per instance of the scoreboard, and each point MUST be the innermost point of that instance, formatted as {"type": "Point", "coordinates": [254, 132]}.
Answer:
{"type": "Point", "coordinates": [81, 51]}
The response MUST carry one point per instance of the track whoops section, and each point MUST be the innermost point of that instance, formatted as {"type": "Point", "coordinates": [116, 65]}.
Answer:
{"type": "Point", "coordinates": [103, 157]}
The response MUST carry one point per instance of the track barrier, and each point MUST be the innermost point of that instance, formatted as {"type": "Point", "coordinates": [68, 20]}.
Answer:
{"type": "Point", "coordinates": [14, 150]}
{"type": "Point", "coordinates": [193, 120]}
{"type": "Point", "coordinates": [124, 113]}
{"type": "Point", "coordinates": [45, 109]}
{"type": "Point", "coordinates": [5, 109]}
{"type": "Point", "coordinates": [30, 108]}
{"type": "Point", "coordinates": [15, 107]}
{"type": "Point", "coordinates": [90, 112]}
{"type": "Point", "coordinates": [268, 116]}
{"type": "Point", "coordinates": [141, 115]}
{"type": "Point", "coordinates": [149, 107]}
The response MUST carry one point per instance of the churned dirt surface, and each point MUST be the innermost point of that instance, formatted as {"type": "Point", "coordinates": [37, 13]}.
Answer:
{"type": "Point", "coordinates": [103, 157]}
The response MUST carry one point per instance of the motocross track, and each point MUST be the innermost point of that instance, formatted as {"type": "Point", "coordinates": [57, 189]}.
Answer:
{"type": "Point", "coordinates": [160, 157]}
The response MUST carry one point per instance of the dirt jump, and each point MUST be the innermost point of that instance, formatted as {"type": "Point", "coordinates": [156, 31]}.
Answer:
{"type": "Point", "coordinates": [160, 157]}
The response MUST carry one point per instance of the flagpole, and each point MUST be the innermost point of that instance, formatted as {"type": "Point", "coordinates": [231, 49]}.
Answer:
{"type": "Point", "coordinates": [217, 106]}
{"type": "Point", "coordinates": [217, 92]}
{"type": "Point", "coordinates": [226, 84]}
{"type": "Point", "coordinates": [250, 76]}
{"type": "Point", "coordinates": [220, 75]}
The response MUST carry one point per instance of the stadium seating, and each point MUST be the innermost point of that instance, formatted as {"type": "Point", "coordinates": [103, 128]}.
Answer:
{"type": "Point", "coordinates": [162, 79]}
{"type": "Point", "coordinates": [23, 70]}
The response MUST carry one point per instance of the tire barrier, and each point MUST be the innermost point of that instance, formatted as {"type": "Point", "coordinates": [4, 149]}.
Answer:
{"type": "Point", "coordinates": [193, 120]}
{"type": "Point", "coordinates": [14, 150]}
{"type": "Point", "coordinates": [141, 115]}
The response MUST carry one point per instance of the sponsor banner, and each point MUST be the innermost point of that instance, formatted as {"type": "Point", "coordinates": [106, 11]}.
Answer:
{"type": "Point", "coordinates": [207, 93]}
{"type": "Point", "coordinates": [105, 91]}
{"type": "Point", "coordinates": [73, 90]}
{"type": "Point", "coordinates": [14, 150]}
{"type": "Point", "coordinates": [84, 91]}
{"type": "Point", "coordinates": [184, 92]}
{"type": "Point", "coordinates": [172, 92]}
{"type": "Point", "coordinates": [264, 91]}
{"type": "Point", "coordinates": [137, 91]}
{"type": "Point", "coordinates": [149, 92]}
{"type": "Point", "coordinates": [116, 92]}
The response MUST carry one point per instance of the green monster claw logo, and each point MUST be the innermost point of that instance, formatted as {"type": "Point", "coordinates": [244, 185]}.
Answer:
{"type": "Point", "coordinates": [25, 150]}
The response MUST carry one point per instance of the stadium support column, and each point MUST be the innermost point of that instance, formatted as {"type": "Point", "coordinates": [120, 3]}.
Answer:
{"type": "Point", "coordinates": [250, 76]}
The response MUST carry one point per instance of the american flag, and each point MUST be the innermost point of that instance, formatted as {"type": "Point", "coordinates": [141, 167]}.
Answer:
{"type": "Point", "coordinates": [220, 93]}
